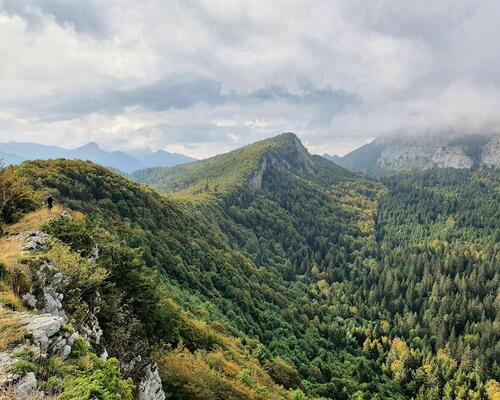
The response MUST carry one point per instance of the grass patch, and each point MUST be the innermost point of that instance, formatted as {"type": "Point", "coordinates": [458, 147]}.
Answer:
{"type": "Point", "coordinates": [11, 249]}
{"type": "Point", "coordinates": [22, 367]}
{"type": "Point", "coordinates": [11, 245]}
{"type": "Point", "coordinates": [33, 221]}
{"type": "Point", "coordinates": [11, 301]}
{"type": "Point", "coordinates": [12, 329]}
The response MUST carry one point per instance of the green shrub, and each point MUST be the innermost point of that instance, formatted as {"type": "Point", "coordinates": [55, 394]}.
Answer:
{"type": "Point", "coordinates": [75, 232]}
{"type": "Point", "coordinates": [22, 367]}
{"type": "Point", "coordinates": [104, 382]}
{"type": "Point", "coordinates": [298, 394]}
{"type": "Point", "coordinates": [245, 376]}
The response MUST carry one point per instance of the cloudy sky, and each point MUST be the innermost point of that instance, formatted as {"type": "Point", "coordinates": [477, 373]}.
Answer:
{"type": "Point", "coordinates": [204, 76]}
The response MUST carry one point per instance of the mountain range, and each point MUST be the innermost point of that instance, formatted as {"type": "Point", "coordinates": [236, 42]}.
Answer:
{"type": "Point", "coordinates": [388, 155]}
{"type": "Point", "coordinates": [265, 273]}
{"type": "Point", "coordinates": [14, 153]}
{"type": "Point", "coordinates": [331, 157]}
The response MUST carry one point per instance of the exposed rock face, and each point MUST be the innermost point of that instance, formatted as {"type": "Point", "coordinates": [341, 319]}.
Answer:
{"type": "Point", "coordinates": [30, 300]}
{"type": "Point", "coordinates": [404, 153]}
{"type": "Point", "coordinates": [425, 153]}
{"type": "Point", "coordinates": [6, 358]}
{"type": "Point", "coordinates": [451, 157]}
{"type": "Point", "coordinates": [35, 240]}
{"type": "Point", "coordinates": [150, 387]}
{"type": "Point", "coordinates": [490, 156]}
{"type": "Point", "coordinates": [128, 367]}
{"type": "Point", "coordinates": [92, 331]}
{"type": "Point", "coordinates": [43, 327]}
{"type": "Point", "coordinates": [49, 283]}
{"type": "Point", "coordinates": [26, 387]}
{"type": "Point", "coordinates": [294, 157]}
{"type": "Point", "coordinates": [53, 303]}
{"type": "Point", "coordinates": [255, 181]}
{"type": "Point", "coordinates": [46, 338]}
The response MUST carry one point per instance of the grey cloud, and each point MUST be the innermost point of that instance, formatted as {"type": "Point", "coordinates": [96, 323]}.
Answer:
{"type": "Point", "coordinates": [203, 71]}
{"type": "Point", "coordinates": [88, 17]}
{"type": "Point", "coordinates": [183, 93]}
{"type": "Point", "coordinates": [158, 96]}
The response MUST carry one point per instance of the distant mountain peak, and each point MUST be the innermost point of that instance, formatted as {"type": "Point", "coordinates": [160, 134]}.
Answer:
{"type": "Point", "coordinates": [89, 146]}
{"type": "Point", "coordinates": [15, 153]}
{"type": "Point", "coordinates": [331, 157]}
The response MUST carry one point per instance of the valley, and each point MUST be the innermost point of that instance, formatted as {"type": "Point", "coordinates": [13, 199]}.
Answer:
{"type": "Point", "coordinates": [263, 273]}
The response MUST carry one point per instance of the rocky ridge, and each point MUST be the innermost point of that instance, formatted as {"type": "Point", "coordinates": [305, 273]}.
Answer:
{"type": "Point", "coordinates": [49, 332]}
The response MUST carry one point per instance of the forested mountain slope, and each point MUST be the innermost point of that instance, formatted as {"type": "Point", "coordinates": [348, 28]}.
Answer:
{"type": "Point", "coordinates": [243, 167]}
{"type": "Point", "coordinates": [337, 286]}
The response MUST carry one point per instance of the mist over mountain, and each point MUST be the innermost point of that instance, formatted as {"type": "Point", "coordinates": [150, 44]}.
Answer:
{"type": "Point", "coordinates": [127, 162]}
{"type": "Point", "coordinates": [388, 155]}
{"type": "Point", "coordinates": [11, 159]}
{"type": "Point", "coordinates": [331, 157]}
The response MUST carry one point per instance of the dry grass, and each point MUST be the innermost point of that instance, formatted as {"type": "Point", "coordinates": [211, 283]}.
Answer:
{"type": "Point", "coordinates": [11, 244]}
{"type": "Point", "coordinates": [12, 329]}
{"type": "Point", "coordinates": [11, 301]}
{"type": "Point", "coordinates": [33, 221]}
{"type": "Point", "coordinates": [10, 249]}
{"type": "Point", "coordinates": [11, 252]}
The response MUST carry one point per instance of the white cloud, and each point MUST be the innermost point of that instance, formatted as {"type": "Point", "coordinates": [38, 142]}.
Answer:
{"type": "Point", "coordinates": [110, 71]}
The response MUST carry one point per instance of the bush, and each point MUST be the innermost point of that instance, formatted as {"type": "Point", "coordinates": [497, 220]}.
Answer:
{"type": "Point", "coordinates": [245, 376]}
{"type": "Point", "coordinates": [22, 367]}
{"type": "Point", "coordinates": [284, 373]}
{"type": "Point", "coordinates": [78, 272]}
{"type": "Point", "coordinates": [298, 394]}
{"type": "Point", "coordinates": [15, 197]}
{"type": "Point", "coordinates": [104, 382]}
{"type": "Point", "coordinates": [186, 376]}
{"type": "Point", "coordinates": [75, 232]}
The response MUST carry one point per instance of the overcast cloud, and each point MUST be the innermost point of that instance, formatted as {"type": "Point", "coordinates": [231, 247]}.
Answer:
{"type": "Point", "coordinates": [203, 77]}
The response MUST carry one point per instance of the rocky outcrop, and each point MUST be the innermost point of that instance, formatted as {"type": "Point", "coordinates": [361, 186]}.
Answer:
{"type": "Point", "coordinates": [92, 331]}
{"type": "Point", "coordinates": [450, 157]}
{"type": "Point", "coordinates": [292, 156]}
{"type": "Point", "coordinates": [44, 334]}
{"type": "Point", "coordinates": [412, 153]}
{"type": "Point", "coordinates": [44, 337]}
{"type": "Point", "coordinates": [150, 387]}
{"type": "Point", "coordinates": [7, 358]}
{"type": "Point", "coordinates": [42, 328]}
{"type": "Point", "coordinates": [26, 387]}
{"type": "Point", "coordinates": [48, 283]}
{"type": "Point", "coordinates": [255, 181]}
{"type": "Point", "coordinates": [407, 153]}
{"type": "Point", "coordinates": [35, 240]}
{"type": "Point", "coordinates": [29, 299]}
{"type": "Point", "coordinates": [490, 156]}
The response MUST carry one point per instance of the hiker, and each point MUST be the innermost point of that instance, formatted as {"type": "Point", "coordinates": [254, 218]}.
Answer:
{"type": "Point", "coordinates": [50, 203]}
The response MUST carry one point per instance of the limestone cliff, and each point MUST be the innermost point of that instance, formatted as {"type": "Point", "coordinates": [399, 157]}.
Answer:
{"type": "Point", "coordinates": [406, 153]}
